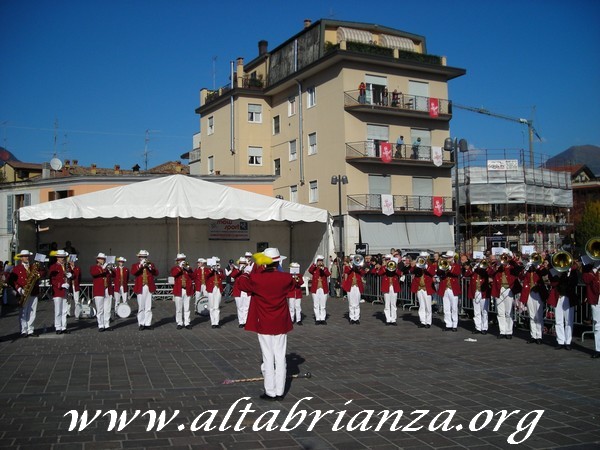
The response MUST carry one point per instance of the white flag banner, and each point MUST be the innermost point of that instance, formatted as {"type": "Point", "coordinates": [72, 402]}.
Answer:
{"type": "Point", "coordinates": [387, 204]}
{"type": "Point", "coordinates": [437, 156]}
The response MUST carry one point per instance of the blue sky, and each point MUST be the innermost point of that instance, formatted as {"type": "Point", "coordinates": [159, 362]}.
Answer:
{"type": "Point", "coordinates": [107, 71]}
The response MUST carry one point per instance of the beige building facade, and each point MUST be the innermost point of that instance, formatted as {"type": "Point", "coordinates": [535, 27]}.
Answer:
{"type": "Point", "coordinates": [330, 102]}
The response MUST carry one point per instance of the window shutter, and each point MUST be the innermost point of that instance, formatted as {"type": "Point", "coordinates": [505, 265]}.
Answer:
{"type": "Point", "coordinates": [10, 201]}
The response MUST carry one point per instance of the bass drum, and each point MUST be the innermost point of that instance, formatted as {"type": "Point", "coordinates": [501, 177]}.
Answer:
{"type": "Point", "coordinates": [123, 310]}
{"type": "Point", "coordinates": [202, 306]}
{"type": "Point", "coordinates": [88, 311]}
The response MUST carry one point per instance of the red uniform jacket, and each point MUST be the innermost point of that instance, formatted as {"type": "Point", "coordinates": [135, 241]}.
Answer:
{"type": "Point", "coordinates": [533, 281]}
{"type": "Point", "coordinates": [353, 277]}
{"type": "Point", "coordinates": [200, 274]}
{"type": "Point", "coordinates": [451, 278]}
{"type": "Point", "coordinates": [18, 278]}
{"type": "Point", "coordinates": [592, 287]}
{"type": "Point", "coordinates": [101, 280]}
{"type": "Point", "coordinates": [269, 312]}
{"type": "Point", "coordinates": [215, 278]}
{"type": "Point", "coordinates": [388, 278]}
{"type": "Point", "coordinates": [58, 277]}
{"type": "Point", "coordinates": [296, 292]}
{"type": "Point", "coordinates": [563, 284]}
{"type": "Point", "coordinates": [180, 274]}
{"type": "Point", "coordinates": [319, 278]}
{"type": "Point", "coordinates": [121, 278]}
{"type": "Point", "coordinates": [512, 272]}
{"type": "Point", "coordinates": [427, 277]}
{"type": "Point", "coordinates": [76, 278]}
{"type": "Point", "coordinates": [137, 270]}
{"type": "Point", "coordinates": [481, 278]}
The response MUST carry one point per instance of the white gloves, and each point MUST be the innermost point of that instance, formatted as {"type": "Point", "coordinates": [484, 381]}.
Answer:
{"type": "Point", "coordinates": [402, 278]}
{"type": "Point", "coordinates": [65, 285]}
{"type": "Point", "coordinates": [20, 291]}
{"type": "Point", "coordinates": [69, 274]}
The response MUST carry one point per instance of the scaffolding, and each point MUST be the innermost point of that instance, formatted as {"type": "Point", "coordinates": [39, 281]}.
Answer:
{"type": "Point", "coordinates": [505, 202]}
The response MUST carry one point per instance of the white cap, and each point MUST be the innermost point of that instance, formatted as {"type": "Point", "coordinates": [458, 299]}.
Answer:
{"type": "Point", "coordinates": [425, 254]}
{"type": "Point", "coordinates": [216, 258]}
{"type": "Point", "coordinates": [24, 253]}
{"type": "Point", "coordinates": [248, 254]}
{"type": "Point", "coordinates": [295, 265]}
{"type": "Point", "coordinates": [274, 254]}
{"type": "Point", "coordinates": [61, 254]}
{"type": "Point", "coordinates": [120, 258]}
{"type": "Point", "coordinates": [201, 260]}
{"type": "Point", "coordinates": [180, 256]}
{"type": "Point", "coordinates": [319, 257]}
{"type": "Point", "coordinates": [388, 256]}
{"type": "Point", "coordinates": [101, 256]}
{"type": "Point", "coordinates": [243, 260]}
{"type": "Point", "coordinates": [143, 253]}
{"type": "Point", "coordinates": [449, 254]}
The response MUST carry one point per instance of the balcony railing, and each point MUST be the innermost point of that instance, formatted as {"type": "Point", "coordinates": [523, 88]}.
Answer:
{"type": "Point", "coordinates": [402, 203]}
{"type": "Point", "coordinates": [396, 101]}
{"type": "Point", "coordinates": [402, 152]}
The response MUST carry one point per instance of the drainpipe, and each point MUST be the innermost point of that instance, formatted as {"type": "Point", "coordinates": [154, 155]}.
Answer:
{"type": "Point", "coordinates": [300, 133]}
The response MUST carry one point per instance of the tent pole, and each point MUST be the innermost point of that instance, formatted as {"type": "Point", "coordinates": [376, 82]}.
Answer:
{"type": "Point", "coordinates": [178, 250]}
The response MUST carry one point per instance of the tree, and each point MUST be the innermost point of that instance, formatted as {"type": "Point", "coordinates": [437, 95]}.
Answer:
{"type": "Point", "coordinates": [589, 226]}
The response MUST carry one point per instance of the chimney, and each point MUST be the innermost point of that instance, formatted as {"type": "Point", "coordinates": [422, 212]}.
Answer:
{"type": "Point", "coordinates": [93, 169]}
{"type": "Point", "coordinates": [67, 163]}
{"type": "Point", "coordinates": [46, 170]}
{"type": "Point", "coordinates": [117, 169]}
{"type": "Point", "coordinates": [178, 167]}
{"type": "Point", "coordinates": [262, 47]}
{"type": "Point", "coordinates": [75, 162]}
{"type": "Point", "coordinates": [307, 23]}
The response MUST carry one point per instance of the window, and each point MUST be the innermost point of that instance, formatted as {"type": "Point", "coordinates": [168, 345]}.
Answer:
{"type": "Point", "coordinates": [13, 203]}
{"type": "Point", "coordinates": [311, 99]}
{"type": "Point", "coordinates": [211, 125]}
{"type": "Point", "coordinates": [277, 167]}
{"type": "Point", "coordinates": [254, 113]}
{"type": "Point", "coordinates": [291, 106]}
{"type": "Point", "coordinates": [293, 152]}
{"type": "Point", "coordinates": [56, 195]}
{"type": "Point", "coordinates": [276, 128]}
{"type": "Point", "coordinates": [294, 193]}
{"type": "Point", "coordinates": [211, 165]}
{"type": "Point", "coordinates": [255, 156]}
{"type": "Point", "coordinates": [313, 193]}
{"type": "Point", "coordinates": [312, 143]}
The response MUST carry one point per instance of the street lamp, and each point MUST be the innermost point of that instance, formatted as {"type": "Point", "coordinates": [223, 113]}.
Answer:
{"type": "Point", "coordinates": [339, 180]}
{"type": "Point", "coordinates": [454, 146]}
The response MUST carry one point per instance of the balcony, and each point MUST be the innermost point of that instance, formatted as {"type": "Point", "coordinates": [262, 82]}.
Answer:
{"type": "Point", "coordinates": [371, 203]}
{"type": "Point", "coordinates": [369, 152]}
{"type": "Point", "coordinates": [397, 104]}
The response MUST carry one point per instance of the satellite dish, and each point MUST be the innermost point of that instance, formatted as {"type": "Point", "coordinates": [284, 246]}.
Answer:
{"type": "Point", "coordinates": [56, 164]}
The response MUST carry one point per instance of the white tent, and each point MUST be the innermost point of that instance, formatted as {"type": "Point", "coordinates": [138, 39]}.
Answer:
{"type": "Point", "coordinates": [175, 214]}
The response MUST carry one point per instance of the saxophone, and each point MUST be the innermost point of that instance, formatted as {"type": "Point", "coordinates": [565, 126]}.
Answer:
{"type": "Point", "coordinates": [33, 277]}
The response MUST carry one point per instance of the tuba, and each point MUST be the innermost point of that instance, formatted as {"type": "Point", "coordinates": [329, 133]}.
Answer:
{"type": "Point", "coordinates": [358, 260]}
{"type": "Point", "coordinates": [421, 262]}
{"type": "Point", "coordinates": [391, 266]}
{"type": "Point", "coordinates": [444, 265]}
{"type": "Point", "coordinates": [592, 248]}
{"type": "Point", "coordinates": [562, 261]}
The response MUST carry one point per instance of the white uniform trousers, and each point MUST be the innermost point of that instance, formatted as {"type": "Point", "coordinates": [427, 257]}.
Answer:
{"type": "Point", "coordinates": [389, 305]}
{"type": "Point", "coordinates": [535, 307]}
{"type": "Point", "coordinates": [214, 303]}
{"type": "Point", "coordinates": [295, 309]}
{"type": "Point", "coordinates": [273, 348]}
{"type": "Point", "coordinates": [354, 303]}
{"type": "Point", "coordinates": [201, 293]}
{"type": "Point", "coordinates": [243, 304]}
{"type": "Point", "coordinates": [120, 296]}
{"type": "Point", "coordinates": [27, 315]}
{"type": "Point", "coordinates": [450, 308]}
{"type": "Point", "coordinates": [144, 300]}
{"type": "Point", "coordinates": [182, 309]}
{"type": "Point", "coordinates": [504, 308]}
{"type": "Point", "coordinates": [103, 308]}
{"type": "Point", "coordinates": [424, 300]}
{"type": "Point", "coordinates": [564, 315]}
{"type": "Point", "coordinates": [319, 304]}
{"type": "Point", "coordinates": [60, 313]}
{"type": "Point", "coordinates": [596, 325]}
{"type": "Point", "coordinates": [480, 311]}
{"type": "Point", "coordinates": [77, 304]}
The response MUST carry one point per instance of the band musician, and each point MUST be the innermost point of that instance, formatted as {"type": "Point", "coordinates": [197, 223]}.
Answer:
{"type": "Point", "coordinates": [102, 289]}
{"type": "Point", "coordinates": [319, 289]}
{"type": "Point", "coordinates": [449, 273]}
{"type": "Point", "coordinates": [183, 289]}
{"type": "Point", "coordinates": [26, 275]}
{"type": "Point", "coordinates": [422, 285]}
{"type": "Point", "coordinates": [354, 287]}
{"type": "Point", "coordinates": [144, 272]}
{"type": "Point", "coordinates": [121, 281]}
{"type": "Point", "coordinates": [60, 281]}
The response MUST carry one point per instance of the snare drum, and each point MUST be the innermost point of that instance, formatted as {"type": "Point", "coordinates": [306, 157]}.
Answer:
{"type": "Point", "coordinates": [88, 311]}
{"type": "Point", "coordinates": [202, 306]}
{"type": "Point", "coordinates": [123, 310]}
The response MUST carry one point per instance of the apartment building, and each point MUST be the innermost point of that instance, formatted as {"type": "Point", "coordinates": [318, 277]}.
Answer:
{"type": "Point", "coordinates": [323, 112]}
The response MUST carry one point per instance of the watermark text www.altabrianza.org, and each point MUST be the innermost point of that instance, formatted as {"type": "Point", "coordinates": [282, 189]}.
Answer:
{"type": "Point", "coordinates": [241, 416]}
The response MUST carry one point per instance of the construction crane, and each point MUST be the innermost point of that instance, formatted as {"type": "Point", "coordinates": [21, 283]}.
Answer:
{"type": "Point", "coordinates": [531, 130]}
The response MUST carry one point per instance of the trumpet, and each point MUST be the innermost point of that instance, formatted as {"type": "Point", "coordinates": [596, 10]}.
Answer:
{"type": "Point", "coordinates": [483, 264]}
{"type": "Point", "coordinates": [391, 266]}
{"type": "Point", "coordinates": [421, 262]}
{"type": "Point", "coordinates": [592, 248]}
{"type": "Point", "coordinates": [444, 265]}
{"type": "Point", "coordinates": [358, 260]}
{"type": "Point", "coordinates": [504, 258]}
{"type": "Point", "coordinates": [562, 261]}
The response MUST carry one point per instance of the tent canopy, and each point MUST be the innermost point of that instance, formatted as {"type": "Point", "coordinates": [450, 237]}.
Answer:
{"type": "Point", "coordinates": [174, 196]}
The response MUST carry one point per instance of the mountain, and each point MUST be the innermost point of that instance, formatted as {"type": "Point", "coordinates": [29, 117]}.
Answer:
{"type": "Point", "coordinates": [578, 154]}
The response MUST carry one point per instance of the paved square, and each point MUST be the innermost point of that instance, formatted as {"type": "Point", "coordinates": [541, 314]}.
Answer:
{"type": "Point", "coordinates": [358, 372]}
